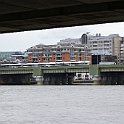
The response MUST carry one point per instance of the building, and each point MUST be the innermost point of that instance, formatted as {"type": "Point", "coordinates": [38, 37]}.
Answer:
{"type": "Point", "coordinates": [6, 55]}
{"type": "Point", "coordinates": [69, 40]}
{"type": "Point", "coordinates": [41, 53]}
{"type": "Point", "coordinates": [103, 45]}
{"type": "Point", "coordinates": [78, 49]}
{"type": "Point", "coordinates": [19, 57]}
{"type": "Point", "coordinates": [12, 57]}
{"type": "Point", "coordinates": [122, 51]}
{"type": "Point", "coordinates": [64, 51]}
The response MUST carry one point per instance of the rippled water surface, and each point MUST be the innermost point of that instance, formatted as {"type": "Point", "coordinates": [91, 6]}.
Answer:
{"type": "Point", "coordinates": [62, 104]}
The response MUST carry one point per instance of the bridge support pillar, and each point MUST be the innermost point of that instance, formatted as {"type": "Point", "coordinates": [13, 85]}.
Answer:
{"type": "Point", "coordinates": [96, 79]}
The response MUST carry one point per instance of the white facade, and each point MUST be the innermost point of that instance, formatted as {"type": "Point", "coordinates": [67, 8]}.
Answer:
{"type": "Point", "coordinates": [122, 53]}
{"type": "Point", "coordinates": [69, 41]}
{"type": "Point", "coordinates": [101, 45]}
{"type": "Point", "coordinates": [105, 45]}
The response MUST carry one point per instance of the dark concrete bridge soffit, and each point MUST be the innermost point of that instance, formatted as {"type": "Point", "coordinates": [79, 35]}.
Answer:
{"type": "Point", "coordinates": [25, 15]}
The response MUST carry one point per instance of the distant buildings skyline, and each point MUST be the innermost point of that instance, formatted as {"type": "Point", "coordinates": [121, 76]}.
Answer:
{"type": "Point", "coordinates": [76, 49]}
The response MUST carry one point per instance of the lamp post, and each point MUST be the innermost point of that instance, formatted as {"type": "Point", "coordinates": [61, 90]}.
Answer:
{"type": "Point", "coordinates": [85, 53]}
{"type": "Point", "coordinates": [97, 62]}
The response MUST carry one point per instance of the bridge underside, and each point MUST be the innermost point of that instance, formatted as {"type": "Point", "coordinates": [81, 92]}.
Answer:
{"type": "Point", "coordinates": [22, 15]}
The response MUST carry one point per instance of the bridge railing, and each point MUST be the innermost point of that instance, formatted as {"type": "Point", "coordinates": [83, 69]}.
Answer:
{"type": "Point", "coordinates": [65, 69]}
{"type": "Point", "coordinates": [15, 70]}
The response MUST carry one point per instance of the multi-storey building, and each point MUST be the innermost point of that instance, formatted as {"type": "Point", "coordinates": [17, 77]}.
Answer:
{"type": "Point", "coordinates": [103, 45]}
{"type": "Point", "coordinates": [62, 52]}
{"type": "Point", "coordinates": [41, 53]}
{"type": "Point", "coordinates": [69, 40]}
{"type": "Point", "coordinates": [80, 49]}
{"type": "Point", "coordinates": [122, 51]}
{"type": "Point", "coordinates": [12, 57]}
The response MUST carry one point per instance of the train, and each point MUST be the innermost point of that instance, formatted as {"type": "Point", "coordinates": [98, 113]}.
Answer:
{"type": "Point", "coordinates": [46, 64]}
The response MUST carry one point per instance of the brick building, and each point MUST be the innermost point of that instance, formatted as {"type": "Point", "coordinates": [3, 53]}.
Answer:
{"type": "Point", "coordinates": [62, 52]}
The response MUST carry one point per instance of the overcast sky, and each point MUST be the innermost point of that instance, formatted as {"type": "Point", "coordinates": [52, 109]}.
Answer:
{"type": "Point", "coordinates": [23, 40]}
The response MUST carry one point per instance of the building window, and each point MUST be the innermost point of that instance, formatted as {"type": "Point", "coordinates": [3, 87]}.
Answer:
{"type": "Point", "coordinates": [94, 42]}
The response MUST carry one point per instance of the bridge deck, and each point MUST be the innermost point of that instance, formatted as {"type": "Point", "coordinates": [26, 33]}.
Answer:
{"type": "Point", "coordinates": [22, 15]}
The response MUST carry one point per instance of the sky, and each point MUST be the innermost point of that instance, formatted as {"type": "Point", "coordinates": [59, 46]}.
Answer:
{"type": "Point", "coordinates": [21, 41]}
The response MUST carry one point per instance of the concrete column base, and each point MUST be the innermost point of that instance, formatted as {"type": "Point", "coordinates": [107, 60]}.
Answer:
{"type": "Point", "coordinates": [96, 80]}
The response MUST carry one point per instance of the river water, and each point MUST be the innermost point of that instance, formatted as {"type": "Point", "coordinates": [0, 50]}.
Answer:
{"type": "Point", "coordinates": [62, 104]}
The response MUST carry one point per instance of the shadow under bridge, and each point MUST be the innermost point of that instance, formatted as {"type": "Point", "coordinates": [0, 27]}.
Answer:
{"type": "Point", "coordinates": [16, 76]}
{"type": "Point", "coordinates": [112, 76]}
{"type": "Point", "coordinates": [61, 76]}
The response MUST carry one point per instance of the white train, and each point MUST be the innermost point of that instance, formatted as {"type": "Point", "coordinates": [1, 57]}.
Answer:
{"type": "Point", "coordinates": [46, 64]}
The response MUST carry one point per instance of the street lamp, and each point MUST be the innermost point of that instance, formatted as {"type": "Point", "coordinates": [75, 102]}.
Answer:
{"type": "Point", "coordinates": [97, 62]}
{"type": "Point", "coordinates": [85, 53]}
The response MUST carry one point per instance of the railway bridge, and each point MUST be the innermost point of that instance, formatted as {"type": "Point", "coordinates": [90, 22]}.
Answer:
{"type": "Point", "coordinates": [102, 74]}
{"type": "Point", "coordinates": [61, 75]}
